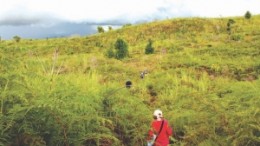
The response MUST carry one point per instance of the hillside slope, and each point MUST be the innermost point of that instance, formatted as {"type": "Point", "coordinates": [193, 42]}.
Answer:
{"type": "Point", "coordinates": [66, 91]}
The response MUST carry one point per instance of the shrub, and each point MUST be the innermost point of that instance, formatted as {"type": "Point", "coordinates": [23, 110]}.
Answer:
{"type": "Point", "coordinates": [121, 49]}
{"type": "Point", "coordinates": [110, 53]}
{"type": "Point", "coordinates": [149, 48]}
{"type": "Point", "coordinates": [100, 29]}
{"type": "Point", "coordinates": [236, 37]}
{"type": "Point", "coordinates": [110, 28]}
{"type": "Point", "coordinates": [17, 38]}
{"type": "Point", "coordinates": [248, 15]}
{"type": "Point", "coordinates": [230, 22]}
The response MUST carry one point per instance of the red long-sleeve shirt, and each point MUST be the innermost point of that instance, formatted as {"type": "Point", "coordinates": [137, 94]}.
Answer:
{"type": "Point", "coordinates": [163, 137]}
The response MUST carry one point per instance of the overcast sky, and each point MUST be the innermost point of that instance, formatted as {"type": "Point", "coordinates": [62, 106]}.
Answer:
{"type": "Point", "coordinates": [49, 18]}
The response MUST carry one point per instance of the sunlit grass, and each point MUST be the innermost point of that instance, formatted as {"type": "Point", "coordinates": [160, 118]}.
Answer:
{"type": "Point", "coordinates": [65, 91]}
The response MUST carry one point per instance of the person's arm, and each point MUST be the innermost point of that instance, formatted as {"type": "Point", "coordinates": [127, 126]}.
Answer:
{"type": "Point", "coordinates": [150, 132]}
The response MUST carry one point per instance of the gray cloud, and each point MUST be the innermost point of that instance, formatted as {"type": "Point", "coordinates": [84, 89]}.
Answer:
{"type": "Point", "coordinates": [20, 20]}
{"type": "Point", "coordinates": [31, 21]}
{"type": "Point", "coordinates": [43, 26]}
{"type": "Point", "coordinates": [27, 23]}
{"type": "Point", "coordinates": [28, 19]}
{"type": "Point", "coordinates": [61, 29]}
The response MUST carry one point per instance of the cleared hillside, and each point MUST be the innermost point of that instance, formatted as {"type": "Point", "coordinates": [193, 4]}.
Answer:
{"type": "Point", "coordinates": [66, 91]}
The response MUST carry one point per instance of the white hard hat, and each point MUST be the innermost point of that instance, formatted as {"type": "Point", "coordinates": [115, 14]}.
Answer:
{"type": "Point", "coordinates": [158, 113]}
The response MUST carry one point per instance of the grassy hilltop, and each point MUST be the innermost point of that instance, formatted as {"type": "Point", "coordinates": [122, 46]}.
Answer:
{"type": "Point", "coordinates": [203, 75]}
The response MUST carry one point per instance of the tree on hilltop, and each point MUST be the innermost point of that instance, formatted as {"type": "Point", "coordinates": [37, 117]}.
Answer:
{"type": "Point", "coordinates": [17, 38]}
{"type": "Point", "coordinates": [100, 29]}
{"type": "Point", "coordinates": [110, 28]}
{"type": "Point", "coordinates": [248, 15]}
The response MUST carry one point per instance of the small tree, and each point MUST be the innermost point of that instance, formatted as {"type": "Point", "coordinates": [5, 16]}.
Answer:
{"type": "Point", "coordinates": [121, 49]}
{"type": "Point", "coordinates": [110, 28]}
{"type": "Point", "coordinates": [110, 53]}
{"type": "Point", "coordinates": [100, 29]}
{"type": "Point", "coordinates": [149, 48]}
{"type": "Point", "coordinates": [17, 38]}
{"type": "Point", "coordinates": [248, 15]}
{"type": "Point", "coordinates": [230, 22]}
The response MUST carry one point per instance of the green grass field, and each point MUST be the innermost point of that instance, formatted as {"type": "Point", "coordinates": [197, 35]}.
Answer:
{"type": "Point", "coordinates": [65, 91]}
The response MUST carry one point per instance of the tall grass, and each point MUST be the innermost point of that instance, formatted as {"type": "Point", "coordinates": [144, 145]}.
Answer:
{"type": "Point", "coordinates": [65, 91]}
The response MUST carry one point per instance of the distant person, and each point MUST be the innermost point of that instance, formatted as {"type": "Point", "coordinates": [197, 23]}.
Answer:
{"type": "Point", "coordinates": [143, 74]}
{"type": "Point", "coordinates": [160, 130]}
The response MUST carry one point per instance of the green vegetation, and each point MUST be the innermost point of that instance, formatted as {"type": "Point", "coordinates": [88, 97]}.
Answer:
{"type": "Point", "coordinates": [66, 92]}
{"type": "Point", "coordinates": [17, 38]}
{"type": "Point", "coordinates": [149, 48]}
{"type": "Point", "coordinates": [121, 49]}
{"type": "Point", "coordinates": [110, 28]}
{"type": "Point", "coordinates": [229, 25]}
{"type": "Point", "coordinates": [248, 15]}
{"type": "Point", "coordinates": [100, 29]}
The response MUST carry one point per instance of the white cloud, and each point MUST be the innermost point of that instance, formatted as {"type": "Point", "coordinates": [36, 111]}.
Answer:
{"type": "Point", "coordinates": [45, 18]}
{"type": "Point", "coordinates": [78, 10]}
{"type": "Point", "coordinates": [215, 8]}
{"type": "Point", "coordinates": [131, 11]}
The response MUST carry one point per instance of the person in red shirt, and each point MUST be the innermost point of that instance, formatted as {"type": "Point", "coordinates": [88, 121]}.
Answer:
{"type": "Point", "coordinates": [159, 129]}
